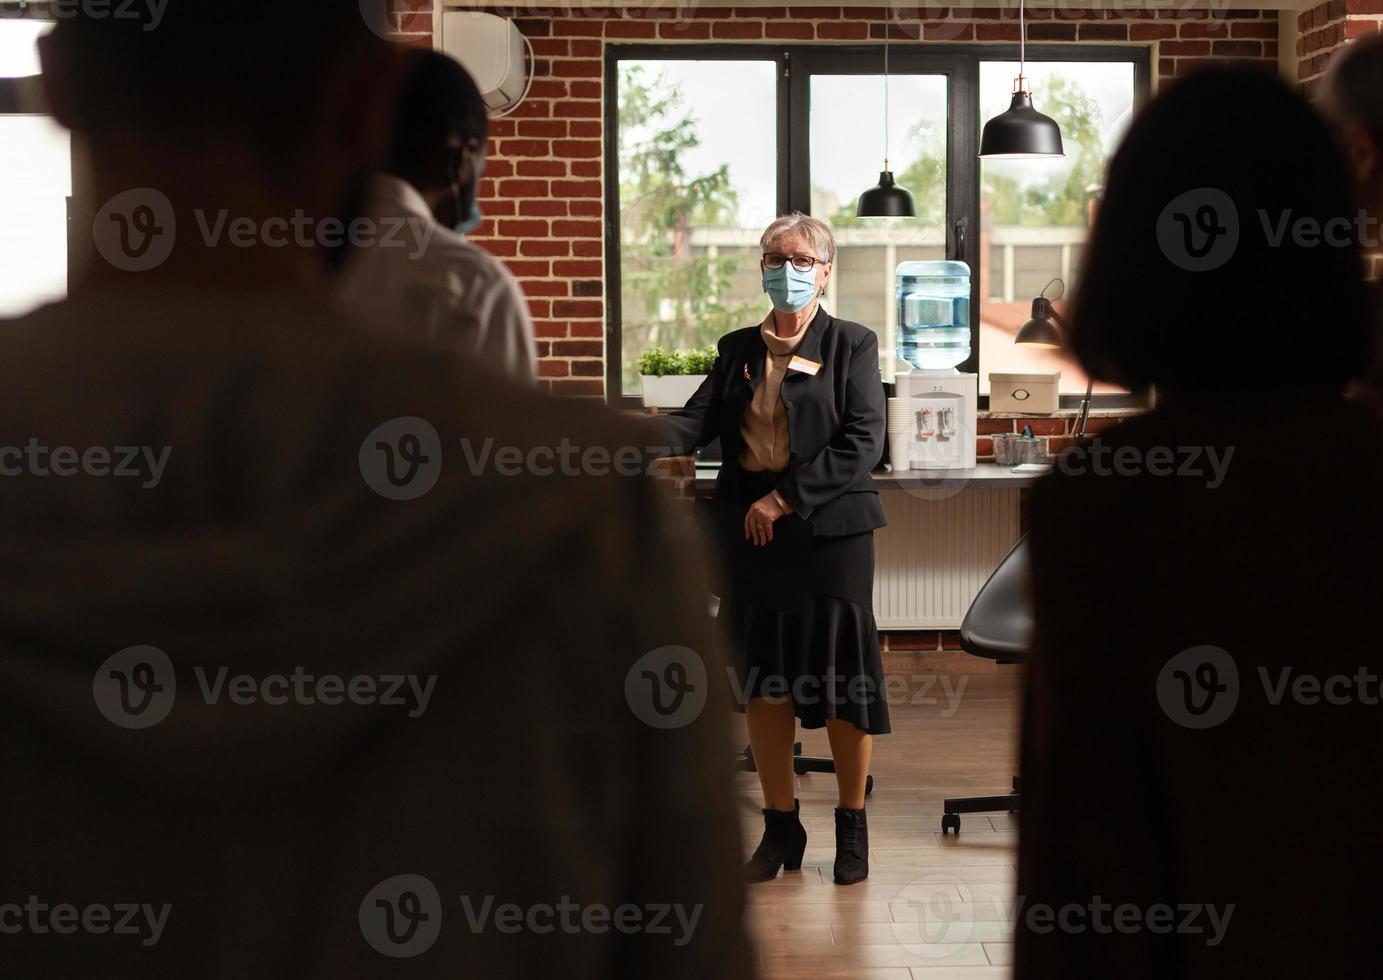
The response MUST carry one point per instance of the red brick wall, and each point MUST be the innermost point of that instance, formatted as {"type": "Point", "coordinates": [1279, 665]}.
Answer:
{"type": "Point", "coordinates": [411, 21]}
{"type": "Point", "coordinates": [1325, 29]}
{"type": "Point", "coordinates": [544, 191]}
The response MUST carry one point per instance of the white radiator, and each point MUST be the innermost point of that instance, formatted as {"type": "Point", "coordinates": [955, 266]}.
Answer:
{"type": "Point", "coordinates": [938, 549]}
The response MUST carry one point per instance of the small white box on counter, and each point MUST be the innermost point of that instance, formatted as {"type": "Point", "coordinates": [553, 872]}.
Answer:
{"type": "Point", "coordinates": [1035, 393]}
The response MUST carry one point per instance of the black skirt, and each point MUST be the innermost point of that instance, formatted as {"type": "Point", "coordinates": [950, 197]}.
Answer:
{"type": "Point", "coordinates": [799, 616]}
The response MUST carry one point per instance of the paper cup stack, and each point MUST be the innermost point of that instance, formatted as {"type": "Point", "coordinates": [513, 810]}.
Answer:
{"type": "Point", "coordinates": [902, 428]}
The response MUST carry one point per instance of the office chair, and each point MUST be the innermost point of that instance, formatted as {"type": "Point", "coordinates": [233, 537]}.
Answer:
{"type": "Point", "coordinates": [998, 626]}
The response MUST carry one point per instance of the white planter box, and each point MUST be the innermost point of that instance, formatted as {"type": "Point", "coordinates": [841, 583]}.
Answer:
{"type": "Point", "coordinates": [672, 391]}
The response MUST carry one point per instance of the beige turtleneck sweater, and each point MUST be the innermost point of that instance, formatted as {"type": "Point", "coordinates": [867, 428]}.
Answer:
{"type": "Point", "coordinates": [764, 427]}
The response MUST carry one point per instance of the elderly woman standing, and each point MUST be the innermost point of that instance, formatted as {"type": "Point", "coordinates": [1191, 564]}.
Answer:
{"type": "Point", "coordinates": [798, 405]}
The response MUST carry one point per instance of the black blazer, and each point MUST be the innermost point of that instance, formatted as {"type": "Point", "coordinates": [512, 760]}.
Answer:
{"type": "Point", "coordinates": [835, 422]}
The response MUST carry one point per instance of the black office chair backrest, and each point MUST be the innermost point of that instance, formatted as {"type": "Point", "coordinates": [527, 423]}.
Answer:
{"type": "Point", "coordinates": [999, 623]}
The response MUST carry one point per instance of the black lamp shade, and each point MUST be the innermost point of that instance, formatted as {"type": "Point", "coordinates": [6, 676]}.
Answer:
{"type": "Point", "coordinates": [1022, 131]}
{"type": "Point", "coordinates": [1041, 330]}
{"type": "Point", "coordinates": [888, 200]}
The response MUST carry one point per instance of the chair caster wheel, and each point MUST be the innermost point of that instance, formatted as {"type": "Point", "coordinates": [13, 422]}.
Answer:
{"type": "Point", "coordinates": [868, 785]}
{"type": "Point", "coordinates": [950, 821]}
{"type": "Point", "coordinates": [801, 770]}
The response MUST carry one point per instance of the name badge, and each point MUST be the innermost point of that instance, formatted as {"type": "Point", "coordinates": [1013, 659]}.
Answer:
{"type": "Point", "coordinates": [803, 365]}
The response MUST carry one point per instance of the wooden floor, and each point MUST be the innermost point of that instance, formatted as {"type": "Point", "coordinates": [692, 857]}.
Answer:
{"type": "Point", "coordinates": [934, 907]}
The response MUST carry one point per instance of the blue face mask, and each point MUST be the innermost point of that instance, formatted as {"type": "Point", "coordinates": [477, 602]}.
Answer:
{"type": "Point", "coordinates": [468, 219]}
{"type": "Point", "coordinates": [471, 222]}
{"type": "Point", "coordinates": [791, 291]}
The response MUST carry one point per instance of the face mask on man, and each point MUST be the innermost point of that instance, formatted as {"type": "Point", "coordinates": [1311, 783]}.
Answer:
{"type": "Point", "coordinates": [791, 291]}
{"type": "Point", "coordinates": [468, 218]}
{"type": "Point", "coordinates": [468, 213]}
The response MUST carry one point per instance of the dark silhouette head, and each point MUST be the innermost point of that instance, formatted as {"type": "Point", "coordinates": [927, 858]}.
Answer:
{"type": "Point", "coordinates": [440, 128]}
{"type": "Point", "coordinates": [1224, 253]}
{"type": "Point", "coordinates": [225, 106]}
{"type": "Point", "coordinates": [206, 72]}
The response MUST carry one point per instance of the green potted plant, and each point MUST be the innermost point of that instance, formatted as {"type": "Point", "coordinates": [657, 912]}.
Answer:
{"type": "Point", "coordinates": [670, 378]}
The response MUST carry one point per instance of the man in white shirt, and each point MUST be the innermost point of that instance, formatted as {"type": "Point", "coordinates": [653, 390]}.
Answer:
{"type": "Point", "coordinates": [416, 277]}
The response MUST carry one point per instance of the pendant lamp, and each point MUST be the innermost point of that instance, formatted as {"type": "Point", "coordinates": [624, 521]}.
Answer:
{"type": "Point", "coordinates": [1021, 131]}
{"type": "Point", "coordinates": [886, 199]}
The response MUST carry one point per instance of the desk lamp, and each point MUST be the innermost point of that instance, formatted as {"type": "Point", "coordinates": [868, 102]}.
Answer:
{"type": "Point", "coordinates": [1044, 332]}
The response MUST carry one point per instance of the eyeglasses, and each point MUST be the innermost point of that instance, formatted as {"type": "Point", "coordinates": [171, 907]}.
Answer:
{"type": "Point", "coordinates": [802, 263]}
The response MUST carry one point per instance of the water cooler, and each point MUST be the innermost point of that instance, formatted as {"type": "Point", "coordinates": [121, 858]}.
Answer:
{"type": "Point", "coordinates": [935, 410]}
{"type": "Point", "coordinates": [942, 433]}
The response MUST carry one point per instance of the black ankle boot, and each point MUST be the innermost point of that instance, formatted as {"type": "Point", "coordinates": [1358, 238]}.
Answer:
{"type": "Point", "coordinates": [782, 845]}
{"type": "Point", "coordinates": [852, 846]}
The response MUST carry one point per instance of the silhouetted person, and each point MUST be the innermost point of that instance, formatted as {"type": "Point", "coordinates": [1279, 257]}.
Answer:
{"type": "Point", "coordinates": [1353, 99]}
{"type": "Point", "coordinates": [1195, 803]}
{"type": "Point", "coordinates": [429, 283]}
{"type": "Point", "coordinates": [314, 661]}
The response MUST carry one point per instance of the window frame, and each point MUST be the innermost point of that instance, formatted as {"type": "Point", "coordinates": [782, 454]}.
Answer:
{"type": "Point", "coordinates": [1141, 57]}
{"type": "Point", "coordinates": [797, 64]}
{"type": "Point", "coordinates": [20, 95]}
{"type": "Point", "coordinates": [24, 96]}
{"type": "Point", "coordinates": [614, 54]}
{"type": "Point", "coordinates": [962, 87]}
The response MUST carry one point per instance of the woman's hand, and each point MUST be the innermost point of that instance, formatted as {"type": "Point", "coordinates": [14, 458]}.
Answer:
{"type": "Point", "coordinates": [758, 523]}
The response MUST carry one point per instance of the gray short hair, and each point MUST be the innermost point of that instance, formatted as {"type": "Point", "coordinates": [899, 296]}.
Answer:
{"type": "Point", "coordinates": [818, 233]}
